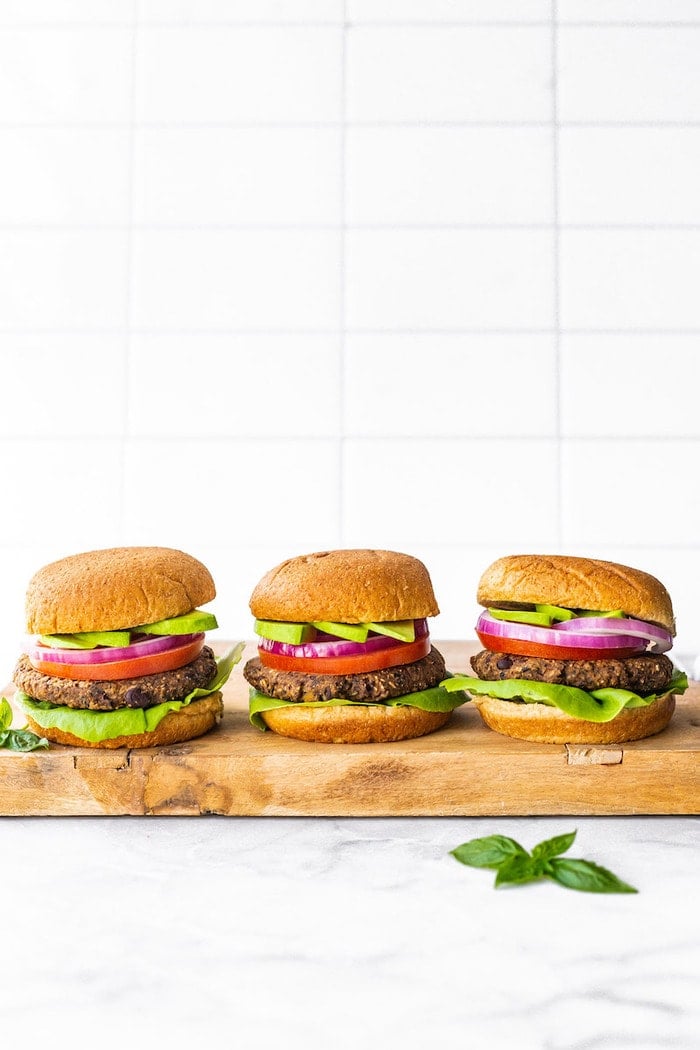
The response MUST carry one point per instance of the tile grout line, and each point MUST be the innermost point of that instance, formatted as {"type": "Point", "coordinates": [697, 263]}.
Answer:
{"type": "Point", "coordinates": [331, 227]}
{"type": "Point", "coordinates": [349, 330]}
{"type": "Point", "coordinates": [126, 390]}
{"type": "Point", "coordinates": [342, 318]}
{"type": "Point", "coordinates": [326, 125]}
{"type": "Point", "coordinates": [186, 25]}
{"type": "Point", "coordinates": [556, 275]}
{"type": "Point", "coordinates": [359, 437]}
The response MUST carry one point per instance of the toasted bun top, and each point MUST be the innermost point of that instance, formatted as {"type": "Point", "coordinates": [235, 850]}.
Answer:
{"type": "Point", "coordinates": [109, 590]}
{"type": "Point", "coordinates": [576, 583]}
{"type": "Point", "coordinates": [347, 586]}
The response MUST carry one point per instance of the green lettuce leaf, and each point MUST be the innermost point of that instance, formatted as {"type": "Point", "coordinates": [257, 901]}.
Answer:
{"type": "Point", "coordinates": [437, 699]}
{"type": "Point", "coordinates": [94, 726]}
{"type": "Point", "coordinates": [598, 705]}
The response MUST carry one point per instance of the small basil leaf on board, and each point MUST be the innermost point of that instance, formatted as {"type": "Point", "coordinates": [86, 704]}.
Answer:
{"type": "Point", "coordinates": [553, 847]}
{"type": "Point", "coordinates": [518, 869]}
{"type": "Point", "coordinates": [25, 740]}
{"type": "Point", "coordinates": [488, 852]}
{"type": "Point", "coordinates": [4, 736]}
{"type": "Point", "coordinates": [5, 714]}
{"type": "Point", "coordinates": [586, 876]}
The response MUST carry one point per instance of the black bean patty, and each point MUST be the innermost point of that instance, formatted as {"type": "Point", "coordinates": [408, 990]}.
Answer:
{"type": "Point", "coordinates": [373, 685]}
{"type": "Point", "coordinates": [127, 692]}
{"type": "Point", "coordinates": [640, 674]}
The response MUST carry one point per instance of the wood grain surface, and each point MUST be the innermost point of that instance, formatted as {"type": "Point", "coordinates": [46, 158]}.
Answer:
{"type": "Point", "coordinates": [463, 769]}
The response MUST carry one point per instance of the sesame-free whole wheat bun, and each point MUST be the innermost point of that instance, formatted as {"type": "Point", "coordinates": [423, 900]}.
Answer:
{"type": "Point", "coordinates": [108, 590]}
{"type": "Point", "coordinates": [177, 726]}
{"type": "Point", "coordinates": [116, 653]}
{"type": "Point", "coordinates": [345, 653]}
{"type": "Point", "coordinates": [576, 583]}
{"type": "Point", "coordinates": [574, 651]}
{"type": "Point", "coordinates": [366, 724]}
{"type": "Point", "coordinates": [548, 725]}
{"type": "Point", "coordinates": [346, 586]}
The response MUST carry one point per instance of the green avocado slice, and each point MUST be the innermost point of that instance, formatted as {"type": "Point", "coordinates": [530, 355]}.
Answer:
{"type": "Point", "coordinates": [189, 623]}
{"type": "Point", "coordinates": [539, 619]}
{"type": "Point", "coordinates": [95, 726]}
{"type": "Point", "coordinates": [598, 705]}
{"type": "Point", "coordinates": [283, 631]}
{"type": "Point", "coordinates": [87, 640]}
{"type": "Point", "coordinates": [402, 630]}
{"type": "Point", "coordinates": [352, 632]}
{"type": "Point", "coordinates": [546, 615]}
{"type": "Point", "coordinates": [556, 613]}
{"type": "Point", "coordinates": [436, 699]}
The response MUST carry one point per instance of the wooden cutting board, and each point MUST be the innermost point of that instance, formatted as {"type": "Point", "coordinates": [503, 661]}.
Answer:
{"type": "Point", "coordinates": [462, 770]}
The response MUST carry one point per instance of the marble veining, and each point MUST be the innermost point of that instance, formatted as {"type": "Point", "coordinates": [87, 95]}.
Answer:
{"type": "Point", "coordinates": [317, 933]}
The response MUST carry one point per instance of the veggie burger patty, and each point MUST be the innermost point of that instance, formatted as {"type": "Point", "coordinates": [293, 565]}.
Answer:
{"type": "Point", "coordinates": [639, 674]}
{"type": "Point", "coordinates": [146, 691]}
{"type": "Point", "coordinates": [372, 685]}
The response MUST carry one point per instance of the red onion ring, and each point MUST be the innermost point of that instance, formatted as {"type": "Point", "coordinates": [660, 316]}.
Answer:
{"type": "Point", "coordinates": [553, 636]}
{"type": "Point", "coordinates": [339, 647]}
{"type": "Point", "coordinates": [149, 645]}
{"type": "Point", "coordinates": [600, 626]}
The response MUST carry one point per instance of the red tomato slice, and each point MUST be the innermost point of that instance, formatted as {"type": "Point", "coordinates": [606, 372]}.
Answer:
{"type": "Point", "coordinates": [136, 667]}
{"type": "Point", "coordinates": [359, 664]}
{"type": "Point", "coordinates": [552, 652]}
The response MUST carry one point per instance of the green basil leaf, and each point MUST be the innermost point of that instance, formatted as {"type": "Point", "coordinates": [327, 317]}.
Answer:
{"type": "Point", "coordinates": [4, 736]}
{"type": "Point", "coordinates": [5, 714]}
{"type": "Point", "coordinates": [24, 740]}
{"type": "Point", "coordinates": [586, 876]}
{"type": "Point", "coordinates": [553, 847]}
{"type": "Point", "coordinates": [488, 852]}
{"type": "Point", "coordinates": [519, 869]}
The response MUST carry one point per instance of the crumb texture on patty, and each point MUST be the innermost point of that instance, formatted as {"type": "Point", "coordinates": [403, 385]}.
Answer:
{"type": "Point", "coordinates": [146, 691]}
{"type": "Point", "coordinates": [644, 674]}
{"type": "Point", "coordinates": [299, 686]}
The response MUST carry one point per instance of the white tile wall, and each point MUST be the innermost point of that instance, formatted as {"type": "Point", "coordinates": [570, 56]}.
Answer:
{"type": "Point", "coordinates": [446, 279]}
{"type": "Point", "coordinates": [447, 176]}
{"type": "Point", "coordinates": [435, 73]}
{"type": "Point", "coordinates": [279, 276]}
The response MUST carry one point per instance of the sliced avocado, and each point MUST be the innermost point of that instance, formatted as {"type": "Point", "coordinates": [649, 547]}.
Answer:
{"type": "Point", "coordinates": [540, 619]}
{"type": "Point", "coordinates": [189, 623]}
{"type": "Point", "coordinates": [617, 614]}
{"type": "Point", "coordinates": [282, 631]}
{"type": "Point", "coordinates": [403, 630]}
{"type": "Point", "coordinates": [353, 632]}
{"type": "Point", "coordinates": [87, 640]}
{"type": "Point", "coordinates": [555, 613]}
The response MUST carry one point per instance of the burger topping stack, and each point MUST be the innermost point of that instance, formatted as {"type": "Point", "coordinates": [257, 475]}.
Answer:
{"type": "Point", "coordinates": [93, 674]}
{"type": "Point", "coordinates": [344, 650]}
{"type": "Point", "coordinates": [575, 671]}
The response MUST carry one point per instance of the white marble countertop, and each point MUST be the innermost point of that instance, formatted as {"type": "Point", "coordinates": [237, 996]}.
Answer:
{"type": "Point", "coordinates": [320, 933]}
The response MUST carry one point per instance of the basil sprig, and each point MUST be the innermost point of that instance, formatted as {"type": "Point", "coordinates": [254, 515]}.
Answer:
{"type": "Point", "coordinates": [514, 865]}
{"type": "Point", "coordinates": [17, 739]}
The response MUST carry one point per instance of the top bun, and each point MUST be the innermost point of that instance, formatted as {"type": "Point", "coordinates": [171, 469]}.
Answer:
{"type": "Point", "coordinates": [111, 590]}
{"type": "Point", "coordinates": [347, 586]}
{"type": "Point", "coordinates": [576, 583]}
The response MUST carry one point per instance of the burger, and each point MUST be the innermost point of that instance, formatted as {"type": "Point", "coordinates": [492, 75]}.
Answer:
{"type": "Point", "coordinates": [344, 651]}
{"type": "Point", "coordinates": [574, 651]}
{"type": "Point", "coordinates": [115, 655]}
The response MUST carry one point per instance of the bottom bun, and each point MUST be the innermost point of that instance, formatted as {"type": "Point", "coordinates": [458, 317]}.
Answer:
{"type": "Point", "coordinates": [376, 724]}
{"type": "Point", "coordinates": [193, 720]}
{"type": "Point", "coordinates": [549, 725]}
